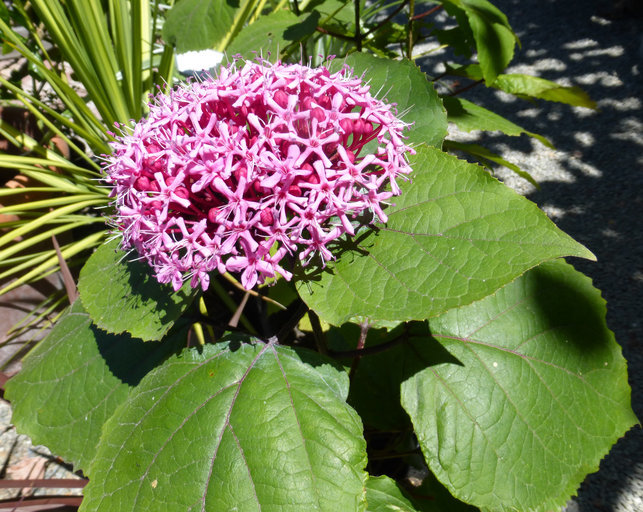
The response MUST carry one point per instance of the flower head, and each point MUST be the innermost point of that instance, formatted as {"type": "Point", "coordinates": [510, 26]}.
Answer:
{"type": "Point", "coordinates": [234, 172]}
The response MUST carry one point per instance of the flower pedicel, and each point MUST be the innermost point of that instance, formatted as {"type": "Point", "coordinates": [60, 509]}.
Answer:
{"type": "Point", "coordinates": [234, 172]}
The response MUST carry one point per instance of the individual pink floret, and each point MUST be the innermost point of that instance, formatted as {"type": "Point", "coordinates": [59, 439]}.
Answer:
{"type": "Point", "coordinates": [235, 172]}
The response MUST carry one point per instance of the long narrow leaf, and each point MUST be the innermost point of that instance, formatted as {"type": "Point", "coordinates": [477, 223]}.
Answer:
{"type": "Point", "coordinates": [48, 153]}
{"type": "Point", "coordinates": [51, 264]}
{"type": "Point", "coordinates": [41, 221]}
{"type": "Point", "coordinates": [95, 137]}
{"type": "Point", "coordinates": [33, 240]}
{"type": "Point", "coordinates": [78, 108]}
{"type": "Point", "coordinates": [4, 192]}
{"type": "Point", "coordinates": [81, 36]}
{"type": "Point", "coordinates": [31, 161]}
{"type": "Point", "coordinates": [48, 203]}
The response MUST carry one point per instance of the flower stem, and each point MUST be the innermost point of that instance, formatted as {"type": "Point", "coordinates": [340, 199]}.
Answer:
{"type": "Point", "coordinates": [466, 88]}
{"type": "Point", "coordinates": [358, 35]}
{"type": "Point", "coordinates": [318, 333]}
{"type": "Point", "coordinates": [364, 327]}
{"type": "Point", "coordinates": [410, 29]}
{"type": "Point", "coordinates": [232, 306]}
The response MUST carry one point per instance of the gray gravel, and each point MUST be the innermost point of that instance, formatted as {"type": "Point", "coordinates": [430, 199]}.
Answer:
{"type": "Point", "coordinates": [591, 185]}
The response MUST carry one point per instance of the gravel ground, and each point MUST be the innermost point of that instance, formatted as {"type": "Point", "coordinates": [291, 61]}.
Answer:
{"type": "Point", "coordinates": [591, 185]}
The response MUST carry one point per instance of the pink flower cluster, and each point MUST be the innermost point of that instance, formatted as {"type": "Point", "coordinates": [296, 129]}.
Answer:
{"type": "Point", "coordinates": [237, 171]}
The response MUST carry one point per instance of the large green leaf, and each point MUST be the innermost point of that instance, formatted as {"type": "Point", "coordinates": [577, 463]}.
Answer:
{"type": "Point", "coordinates": [74, 379]}
{"type": "Point", "coordinates": [468, 117]}
{"type": "Point", "coordinates": [538, 397]}
{"type": "Point", "coordinates": [270, 35]}
{"type": "Point", "coordinates": [200, 24]}
{"type": "Point", "coordinates": [123, 296]}
{"type": "Point", "coordinates": [235, 426]}
{"type": "Point", "coordinates": [384, 495]}
{"type": "Point", "coordinates": [454, 236]}
{"type": "Point", "coordinates": [402, 83]}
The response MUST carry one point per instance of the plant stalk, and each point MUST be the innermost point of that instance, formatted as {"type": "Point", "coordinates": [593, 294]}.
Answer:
{"type": "Point", "coordinates": [358, 35]}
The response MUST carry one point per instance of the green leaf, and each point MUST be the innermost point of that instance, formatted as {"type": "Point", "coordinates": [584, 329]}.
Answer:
{"type": "Point", "coordinates": [123, 296]}
{"type": "Point", "coordinates": [270, 35]}
{"type": "Point", "coordinates": [384, 495]}
{"type": "Point", "coordinates": [74, 379]}
{"type": "Point", "coordinates": [468, 117]}
{"type": "Point", "coordinates": [454, 236]}
{"type": "Point", "coordinates": [200, 24]}
{"type": "Point", "coordinates": [402, 83]}
{"type": "Point", "coordinates": [538, 398]}
{"type": "Point", "coordinates": [495, 41]}
{"type": "Point", "coordinates": [234, 426]}
{"type": "Point", "coordinates": [535, 87]}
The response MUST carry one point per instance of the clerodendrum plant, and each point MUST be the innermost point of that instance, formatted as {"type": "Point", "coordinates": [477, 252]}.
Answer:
{"type": "Point", "coordinates": [305, 298]}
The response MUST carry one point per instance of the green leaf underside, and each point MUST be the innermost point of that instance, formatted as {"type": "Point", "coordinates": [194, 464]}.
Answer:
{"type": "Point", "coordinates": [384, 495]}
{"type": "Point", "coordinates": [272, 34]}
{"type": "Point", "coordinates": [72, 382]}
{"type": "Point", "coordinates": [199, 24]}
{"type": "Point", "coordinates": [236, 427]}
{"type": "Point", "coordinates": [532, 86]}
{"type": "Point", "coordinates": [454, 236]}
{"type": "Point", "coordinates": [402, 83]}
{"type": "Point", "coordinates": [539, 395]}
{"type": "Point", "coordinates": [526, 86]}
{"type": "Point", "coordinates": [123, 296]}
{"type": "Point", "coordinates": [469, 117]}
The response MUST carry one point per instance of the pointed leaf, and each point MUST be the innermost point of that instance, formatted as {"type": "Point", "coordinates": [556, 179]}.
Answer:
{"type": "Point", "coordinates": [527, 87]}
{"type": "Point", "coordinates": [454, 236]}
{"type": "Point", "coordinates": [123, 296]}
{"type": "Point", "coordinates": [74, 379]}
{"type": "Point", "coordinates": [402, 83]}
{"type": "Point", "coordinates": [235, 426]}
{"type": "Point", "coordinates": [384, 495]}
{"type": "Point", "coordinates": [538, 398]}
{"type": "Point", "coordinates": [535, 87]}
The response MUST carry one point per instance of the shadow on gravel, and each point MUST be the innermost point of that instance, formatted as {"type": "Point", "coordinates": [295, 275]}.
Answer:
{"type": "Point", "coordinates": [592, 185]}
